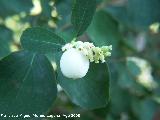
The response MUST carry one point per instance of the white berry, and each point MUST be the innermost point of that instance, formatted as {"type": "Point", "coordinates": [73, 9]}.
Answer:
{"type": "Point", "coordinates": [74, 64]}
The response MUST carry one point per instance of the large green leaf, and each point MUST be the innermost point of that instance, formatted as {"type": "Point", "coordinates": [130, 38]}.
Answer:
{"type": "Point", "coordinates": [82, 14]}
{"type": "Point", "coordinates": [27, 84]}
{"type": "Point", "coordinates": [89, 92]}
{"type": "Point", "coordinates": [137, 14]}
{"type": "Point", "coordinates": [5, 40]}
{"type": "Point", "coordinates": [104, 30]}
{"type": "Point", "coordinates": [11, 7]}
{"type": "Point", "coordinates": [41, 40]}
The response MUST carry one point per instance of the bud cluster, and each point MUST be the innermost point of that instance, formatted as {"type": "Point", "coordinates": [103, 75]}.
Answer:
{"type": "Point", "coordinates": [94, 54]}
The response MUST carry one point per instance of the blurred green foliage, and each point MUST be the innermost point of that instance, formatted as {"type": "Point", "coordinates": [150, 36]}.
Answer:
{"type": "Point", "coordinates": [131, 26]}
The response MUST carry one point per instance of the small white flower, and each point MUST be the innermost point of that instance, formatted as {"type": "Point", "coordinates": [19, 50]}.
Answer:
{"type": "Point", "coordinates": [88, 45]}
{"type": "Point", "coordinates": [78, 44]}
{"type": "Point", "coordinates": [74, 64]}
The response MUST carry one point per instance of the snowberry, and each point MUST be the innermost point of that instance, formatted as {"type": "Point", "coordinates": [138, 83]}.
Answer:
{"type": "Point", "coordinates": [74, 64]}
{"type": "Point", "coordinates": [77, 55]}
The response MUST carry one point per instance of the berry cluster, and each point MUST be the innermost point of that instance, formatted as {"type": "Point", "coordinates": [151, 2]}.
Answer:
{"type": "Point", "coordinates": [94, 54]}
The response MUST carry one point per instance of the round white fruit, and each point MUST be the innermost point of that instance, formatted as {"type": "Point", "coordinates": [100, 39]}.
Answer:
{"type": "Point", "coordinates": [74, 64]}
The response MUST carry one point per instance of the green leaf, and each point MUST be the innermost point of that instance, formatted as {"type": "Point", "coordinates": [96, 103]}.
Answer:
{"type": "Point", "coordinates": [5, 40]}
{"type": "Point", "coordinates": [11, 7]}
{"type": "Point", "coordinates": [41, 40]}
{"type": "Point", "coordinates": [104, 32]}
{"type": "Point", "coordinates": [137, 14]}
{"type": "Point", "coordinates": [89, 92]}
{"type": "Point", "coordinates": [27, 84]}
{"type": "Point", "coordinates": [82, 14]}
